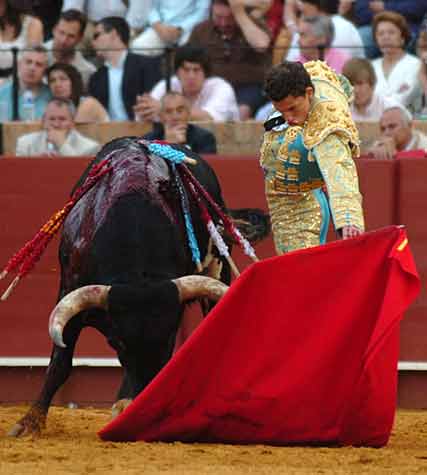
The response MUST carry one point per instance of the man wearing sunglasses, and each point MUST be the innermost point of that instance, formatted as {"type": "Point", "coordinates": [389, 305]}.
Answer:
{"type": "Point", "coordinates": [124, 75]}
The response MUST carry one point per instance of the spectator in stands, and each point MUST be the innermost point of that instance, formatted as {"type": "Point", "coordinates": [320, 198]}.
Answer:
{"type": "Point", "coordinates": [367, 104]}
{"type": "Point", "coordinates": [419, 107]}
{"type": "Point", "coordinates": [174, 126]}
{"type": "Point", "coordinates": [365, 10]}
{"type": "Point", "coordinates": [48, 11]}
{"type": "Point", "coordinates": [124, 75]}
{"type": "Point", "coordinates": [281, 34]}
{"type": "Point", "coordinates": [239, 48]}
{"type": "Point", "coordinates": [170, 22]}
{"type": "Point", "coordinates": [396, 70]}
{"type": "Point", "coordinates": [32, 65]}
{"type": "Point", "coordinates": [346, 37]}
{"type": "Point", "coordinates": [67, 34]}
{"type": "Point", "coordinates": [59, 136]}
{"type": "Point", "coordinates": [315, 35]}
{"type": "Point", "coordinates": [397, 133]}
{"type": "Point", "coordinates": [66, 82]}
{"type": "Point", "coordinates": [135, 12]}
{"type": "Point", "coordinates": [16, 30]}
{"type": "Point", "coordinates": [210, 97]}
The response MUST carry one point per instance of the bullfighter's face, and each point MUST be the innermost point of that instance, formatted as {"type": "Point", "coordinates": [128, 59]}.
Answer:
{"type": "Point", "coordinates": [295, 109]}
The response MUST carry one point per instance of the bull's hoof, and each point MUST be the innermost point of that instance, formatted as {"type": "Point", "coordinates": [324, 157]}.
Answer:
{"type": "Point", "coordinates": [30, 425]}
{"type": "Point", "coordinates": [119, 406]}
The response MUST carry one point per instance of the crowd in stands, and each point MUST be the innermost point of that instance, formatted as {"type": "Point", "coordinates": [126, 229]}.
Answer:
{"type": "Point", "coordinates": [170, 63]}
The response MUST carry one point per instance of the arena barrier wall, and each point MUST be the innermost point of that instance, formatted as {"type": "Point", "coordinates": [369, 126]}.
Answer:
{"type": "Point", "coordinates": [32, 189]}
{"type": "Point", "coordinates": [233, 138]}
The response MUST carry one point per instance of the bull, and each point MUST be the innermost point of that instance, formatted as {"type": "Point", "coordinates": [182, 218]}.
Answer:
{"type": "Point", "coordinates": [128, 271]}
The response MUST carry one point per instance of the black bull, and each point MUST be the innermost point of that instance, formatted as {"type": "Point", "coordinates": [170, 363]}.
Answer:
{"type": "Point", "coordinates": [127, 233]}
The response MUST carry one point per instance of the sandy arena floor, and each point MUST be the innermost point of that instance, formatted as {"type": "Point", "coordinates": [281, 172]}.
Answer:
{"type": "Point", "coordinates": [69, 445]}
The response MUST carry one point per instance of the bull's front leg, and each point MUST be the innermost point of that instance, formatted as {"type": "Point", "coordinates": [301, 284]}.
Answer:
{"type": "Point", "coordinates": [58, 371]}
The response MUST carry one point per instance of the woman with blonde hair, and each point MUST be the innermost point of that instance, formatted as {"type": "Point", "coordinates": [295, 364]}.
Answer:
{"type": "Point", "coordinates": [65, 81]}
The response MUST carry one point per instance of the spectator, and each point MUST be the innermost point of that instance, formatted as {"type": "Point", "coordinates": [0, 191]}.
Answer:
{"type": "Point", "coordinates": [367, 104]}
{"type": "Point", "coordinates": [261, 8]}
{"type": "Point", "coordinates": [210, 97]}
{"type": "Point", "coordinates": [58, 137]}
{"type": "Point", "coordinates": [67, 34]}
{"type": "Point", "coordinates": [346, 37]}
{"type": "Point", "coordinates": [135, 12]}
{"type": "Point", "coordinates": [125, 75]}
{"type": "Point", "coordinates": [281, 33]}
{"type": "Point", "coordinates": [419, 99]}
{"type": "Point", "coordinates": [16, 30]}
{"type": "Point", "coordinates": [174, 126]}
{"type": "Point", "coordinates": [365, 10]}
{"type": "Point", "coordinates": [66, 82]}
{"type": "Point", "coordinates": [32, 65]}
{"type": "Point", "coordinates": [397, 133]}
{"type": "Point", "coordinates": [396, 70]}
{"type": "Point", "coordinates": [315, 35]}
{"type": "Point", "coordinates": [48, 11]}
{"type": "Point", "coordinates": [170, 22]}
{"type": "Point", "coordinates": [239, 50]}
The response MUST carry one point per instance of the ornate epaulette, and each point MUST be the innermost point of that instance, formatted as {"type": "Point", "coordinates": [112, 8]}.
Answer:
{"type": "Point", "coordinates": [320, 70]}
{"type": "Point", "coordinates": [329, 117]}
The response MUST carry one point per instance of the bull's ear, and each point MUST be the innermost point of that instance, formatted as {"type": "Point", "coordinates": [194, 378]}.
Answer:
{"type": "Point", "coordinates": [253, 223]}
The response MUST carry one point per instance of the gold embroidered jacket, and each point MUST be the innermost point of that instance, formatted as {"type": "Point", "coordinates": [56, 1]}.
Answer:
{"type": "Point", "coordinates": [298, 159]}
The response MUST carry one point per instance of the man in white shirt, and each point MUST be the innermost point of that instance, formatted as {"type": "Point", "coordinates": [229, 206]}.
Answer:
{"type": "Point", "coordinates": [58, 137]}
{"type": "Point", "coordinates": [210, 97]}
{"type": "Point", "coordinates": [170, 22]}
{"type": "Point", "coordinates": [397, 133]}
{"type": "Point", "coordinates": [67, 34]}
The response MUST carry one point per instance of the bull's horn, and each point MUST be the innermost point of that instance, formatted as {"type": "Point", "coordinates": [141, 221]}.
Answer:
{"type": "Point", "coordinates": [194, 286]}
{"type": "Point", "coordinates": [73, 303]}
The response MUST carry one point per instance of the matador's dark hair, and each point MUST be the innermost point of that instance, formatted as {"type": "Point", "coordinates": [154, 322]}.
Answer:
{"type": "Point", "coordinates": [287, 79]}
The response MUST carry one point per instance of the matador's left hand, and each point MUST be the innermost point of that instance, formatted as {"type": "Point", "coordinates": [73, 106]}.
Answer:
{"type": "Point", "coordinates": [350, 231]}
